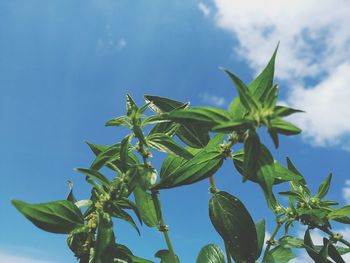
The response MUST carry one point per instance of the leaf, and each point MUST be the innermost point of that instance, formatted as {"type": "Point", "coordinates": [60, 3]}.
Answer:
{"type": "Point", "coordinates": [324, 187]}
{"type": "Point", "coordinates": [124, 152]}
{"type": "Point", "coordinates": [119, 121]}
{"type": "Point", "coordinates": [146, 207]}
{"type": "Point", "coordinates": [160, 104]}
{"type": "Point", "coordinates": [260, 231]}
{"type": "Point", "coordinates": [131, 106]}
{"type": "Point", "coordinates": [193, 135]}
{"type": "Point", "coordinates": [340, 212]}
{"type": "Point", "coordinates": [252, 148]}
{"type": "Point", "coordinates": [105, 240]}
{"type": "Point", "coordinates": [164, 143]}
{"type": "Point", "coordinates": [108, 155]}
{"type": "Point", "coordinates": [203, 165]}
{"type": "Point", "coordinates": [291, 242]}
{"type": "Point", "coordinates": [284, 127]}
{"type": "Point", "coordinates": [310, 248]}
{"type": "Point", "coordinates": [282, 111]}
{"type": "Point", "coordinates": [96, 175]}
{"type": "Point", "coordinates": [207, 116]}
{"type": "Point", "coordinates": [279, 255]}
{"type": "Point", "coordinates": [55, 217]}
{"type": "Point", "coordinates": [334, 254]}
{"type": "Point", "coordinates": [235, 225]}
{"type": "Point", "coordinates": [70, 196]}
{"type": "Point", "coordinates": [258, 87]}
{"type": "Point", "coordinates": [245, 96]}
{"type": "Point", "coordinates": [165, 256]}
{"type": "Point", "coordinates": [231, 126]}
{"type": "Point", "coordinates": [121, 214]}
{"type": "Point", "coordinates": [211, 254]}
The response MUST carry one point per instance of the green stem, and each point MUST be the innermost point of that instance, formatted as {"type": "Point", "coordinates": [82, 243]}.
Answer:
{"type": "Point", "coordinates": [271, 240]}
{"type": "Point", "coordinates": [157, 205]}
{"type": "Point", "coordinates": [213, 189]}
{"type": "Point", "coordinates": [162, 226]}
{"type": "Point", "coordinates": [336, 237]}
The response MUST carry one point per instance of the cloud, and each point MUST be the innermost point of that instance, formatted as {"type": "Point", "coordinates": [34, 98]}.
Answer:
{"type": "Point", "coordinates": [212, 99]}
{"type": "Point", "coordinates": [346, 191]}
{"type": "Point", "coordinates": [6, 257]}
{"type": "Point", "coordinates": [313, 59]}
{"type": "Point", "coordinates": [204, 9]}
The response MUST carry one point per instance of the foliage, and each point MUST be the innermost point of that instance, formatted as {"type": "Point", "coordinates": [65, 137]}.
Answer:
{"type": "Point", "coordinates": [89, 224]}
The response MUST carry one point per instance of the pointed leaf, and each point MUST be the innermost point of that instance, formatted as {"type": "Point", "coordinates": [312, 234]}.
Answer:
{"type": "Point", "coordinates": [211, 254]}
{"type": "Point", "coordinates": [146, 207]}
{"type": "Point", "coordinates": [279, 255]}
{"type": "Point", "coordinates": [260, 230]}
{"type": "Point", "coordinates": [55, 217]}
{"type": "Point", "coordinates": [284, 127]}
{"type": "Point", "coordinates": [235, 225]}
{"type": "Point", "coordinates": [324, 187]}
{"type": "Point", "coordinates": [95, 175]}
{"type": "Point", "coordinates": [340, 212]}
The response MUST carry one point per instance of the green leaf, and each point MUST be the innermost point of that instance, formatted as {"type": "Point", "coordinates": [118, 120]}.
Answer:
{"type": "Point", "coordinates": [95, 175]}
{"type": "Point", "coordinates": [164, 143]}
{"type": "Point", "coordinates": [260, 230]}
{"type": "Point", "coordinates": [284, 127]}
{"type": "Point", "coordinates": [252, 147]}
{"type": "Point", "coordinates": [193, 135]}
{"type": "Point", "coordinates": [334, 254]}
{"type": "Point", "coordinates": [231, 126]}
{"type": "Point", "coordinates": [70, 196]}
{"type": "Point", "coordinates": [207, 116]}
{"type": "Point", "coordinates": [131, 106]}
{"type": "Point", "coordinates": [282, 111]}
{"type": "Point", "coordinates": [260, 86]}
{"type": "Point", "coordinates": [146, 207]}
{"type": "Point", "coordinates": [160, 104]}
{"type": "Point", "coordinates": [108, 155]}
{"type": "Point", "coordinates": [245, 96]}
{"type": "Point", "coordinates": [119, 121]}
{"type": "Point", "coordinates": [165, 256]}
{"type": "Point", "coordinates": [105, 240]}
{"type": "Point", "coordinates": [211, 254]}
{"type": "Point", "coordinates": [279, 255]}
{"type": "Point", "coordinates": [324, 187]}
{"type": "Point", "coordinates": [124, 152]}
{"type": "Point", "coordinates": [291, 242]}
{"type": "Point", "coordinates": [310, 248]}
{"type": "Point", "coordinates": [121, 214]}
{"type": "Point", "coordinates": [204, 164]}
{"type": "Point", "coordinates": [235, 225]}
{"type": "Point", "coordinates": [55, 217]}
{"type": "Point", "coordinates": [340, 212]}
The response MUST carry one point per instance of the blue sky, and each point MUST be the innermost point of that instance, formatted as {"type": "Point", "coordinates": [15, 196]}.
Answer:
{"type": "Point", "coordinates": [66, 66]}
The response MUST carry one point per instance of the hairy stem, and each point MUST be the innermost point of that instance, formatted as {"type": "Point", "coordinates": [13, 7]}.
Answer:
{"type": "Point", "coordinates": [336, 237]}
{"type": "Point", "coordinates": [157, 205]}
{"type": "Point", "coordinates": [272, 239]}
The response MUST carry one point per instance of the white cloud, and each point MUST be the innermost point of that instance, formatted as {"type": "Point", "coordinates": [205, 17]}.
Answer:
{"type": "Point", "coordinates": [204, 9]}
{"type": "Point", "coordinates": [212, 99]}
{"type": "Point", "coordinates": [6, 257]}
{"type": "Point", "coordinates": [315, 44]}
{"type": "Point", "coordinates": [346, 191]}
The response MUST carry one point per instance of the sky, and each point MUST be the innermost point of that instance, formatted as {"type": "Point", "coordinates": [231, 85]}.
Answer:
{"type": "Point", "coordinates": [66, 66]}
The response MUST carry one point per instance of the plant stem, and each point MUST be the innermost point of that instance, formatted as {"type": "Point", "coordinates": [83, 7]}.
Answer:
{"type": "Point", "coordinates": [212, 187]}
{"type": "Point", "coordinates": [157, 205]}
{"type": "Point", "coordinates": [335, 236]}
{"type": "Point", "coordinates": [162, 226]}
{"type": "Point", "coordinates": [271, 240]}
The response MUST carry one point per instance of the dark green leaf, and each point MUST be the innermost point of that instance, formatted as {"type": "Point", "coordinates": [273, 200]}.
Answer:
{"type": "Point", "coordinates": [164, 143]}
{"type": "Point", "coordinates": [120, 121]}
{"type": "Point", "coordinates": [252, 147]}
{"type": "Point", "coordinates": [131, 106]}
{"type": "Point", "coordinates": [334, 254]}
{"type": "Point", "coordinates": [340, 212]}
{"type": "Point", "coordinates": [324, 187]}
{"type": "Point", "coordinates": [282, 111]}
{"type": "Point", "coordinates": [161, 105]}
{"type": "Point", "coordinates": [245, 96]}
{"type": "Point", "coordinates": [95, 175]}
{"type": "Point", "coordinates": [124, 152]}
{"type": "Point", "coordinates": [291, 242]}
{"type": "Point", "coordinates": [211, 254]}
{"type": "Point", "coordinates": [146, 207]}
{"type": "Point", "coordinates": [121, 214]}
{"type": "Point", "coordinates": [165, 256]}
{"type": "Point", "coordinates": [279, 255]}
{"type": "Point", "coordinates": [193, 135]}
{"type": "Point", "coordinates": [207, 116]}
{"type": "Point", "coordinates": [56, 217]}
{"type": "Point", "coordinates": [231, 126]}
{"type": "Point", "coordinates": [260, 230]}
{"type": "Point", "coordinates": [201, 166]}
{"type": "Point", "coordinates": [235, 225]}
{"type": "Point", "coordinates": [310, 248]}
{"type": "Point", "coordinates": [284, 127]}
